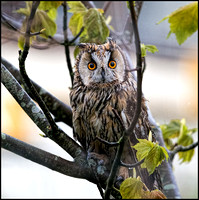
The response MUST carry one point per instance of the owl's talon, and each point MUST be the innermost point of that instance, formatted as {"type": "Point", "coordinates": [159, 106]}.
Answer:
{"type": "Point", "coordinates": [118, 181]}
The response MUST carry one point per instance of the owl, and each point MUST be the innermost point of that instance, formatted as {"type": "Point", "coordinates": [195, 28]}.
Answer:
{"type": "Point", "coordinates": [103, 86]}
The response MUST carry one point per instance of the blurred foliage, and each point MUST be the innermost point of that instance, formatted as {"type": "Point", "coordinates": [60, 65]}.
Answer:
{"type": "Point", "coordinates": [183, 22]}
{"type": "Point", "coordinates": [177, 133]}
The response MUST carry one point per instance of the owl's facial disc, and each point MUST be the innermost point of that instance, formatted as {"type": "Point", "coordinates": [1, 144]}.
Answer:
{"type": "Point", "coordinates": [101, 67]}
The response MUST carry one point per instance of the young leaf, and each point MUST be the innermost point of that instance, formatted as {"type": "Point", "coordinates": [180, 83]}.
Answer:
{"type": "Point", "coordinates": [183, 22]}
{"type": "Point", "coordinates": [149, 48]}
{"type": "Point", "coordinates": [172, 129]}
{"type": "Point", "coordinates": [76, 23]}
{"type": "Point", "coordinates": [152, 153]}
{"type": "Point", "coordinates": [95, 24]}
{"type": "Point", "coordinates": [76, 7]}
{"type": "Point", "coordinates": [42, 20]}
{"type": "Point", "coordinates": [131, 188]}
{"type": "Point", "coordinates": [155, 157]}
{"type": "Point", "coordinates": [143, 148]}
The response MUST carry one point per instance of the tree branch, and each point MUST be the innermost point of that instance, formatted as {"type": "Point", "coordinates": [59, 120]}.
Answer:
{"type": "Point", "coordinates": [61, 111]}
{"type": "Point", "coordinates": [37, 115]}
{"type": "Point", "coordinates": [39, 156]}
{"type": "Point", "coordinates": [67, 50]}
{"type": "Point", "coordinates": [130, 129]}
{"type": "Point", "coordinates": [181, 148]}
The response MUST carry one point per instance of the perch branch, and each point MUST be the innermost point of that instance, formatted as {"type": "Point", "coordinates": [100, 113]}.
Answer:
{"type": "Point", "coordinates": [51, 161]}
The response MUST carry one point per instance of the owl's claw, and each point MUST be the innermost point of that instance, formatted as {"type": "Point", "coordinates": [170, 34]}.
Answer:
{"type": "Point", "coordinates": [118, 181]}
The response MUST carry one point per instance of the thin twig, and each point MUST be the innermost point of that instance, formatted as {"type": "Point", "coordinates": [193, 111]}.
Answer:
{"type": "Point", "coordinates": [67, 50]}
{"type": "Point", "coordinates": [131, 165]}
{"type": "Point", "coordinates": [37, 115]}
{"type": "Point", "coordinates": [130, 129]}
{"type": "Point", "coordinates": [22, 58]}
{"type": "Point", "coordinates": [110, 144]}
{"type": "Point", "coordinates": [80, 32]}
{"type": "Point", "coordinates": [61, 111]}
{"type": "Point", "coordinates": [181, 148]}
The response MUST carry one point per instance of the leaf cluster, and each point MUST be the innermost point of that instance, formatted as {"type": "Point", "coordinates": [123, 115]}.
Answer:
{"type": "Point", "coordinates": [177, 133]}
{"type": "Point", "coordinates": [134, 188]}
{"type": "Point", "coordinates": [149, 48]}
{"type": "Point", "coordinates": [152, 153]}
{"type": "Point", "coordinates": [43, 22]}
{"type": "Point", "coordinates": [183, 22]}
{"type": "Point", "coordinates": [93, 21]}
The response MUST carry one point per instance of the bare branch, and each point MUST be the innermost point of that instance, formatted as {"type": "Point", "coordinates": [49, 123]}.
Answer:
{"type": "Point", "coordinates": [111, 144]}
{"type": "Point", "coordinates": [131, 165]}
{"type": "Point", "coordinates": [181, 148]}
{"type": "Point", "coordinates": [54, 162]}
{"type": "Point", "coordinates": [67, 50]}
{"type": "Point", "coordinates": [37, 115]}
{"type": "Point", "coordinates": [128, 131]}
{"type": "Point", "coordinates": [61, 111]}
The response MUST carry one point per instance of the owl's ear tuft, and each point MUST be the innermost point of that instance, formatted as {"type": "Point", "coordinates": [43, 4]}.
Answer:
{"type": "Point", "coordinates": [82, 45]}
{"type": "Point", "coordinates": [111, 44]}
{"type": "Point", "coordinates": [110, 40]}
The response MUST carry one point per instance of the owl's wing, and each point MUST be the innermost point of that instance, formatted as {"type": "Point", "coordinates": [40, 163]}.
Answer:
{"type": "Point", "coordinates": [78, 130]}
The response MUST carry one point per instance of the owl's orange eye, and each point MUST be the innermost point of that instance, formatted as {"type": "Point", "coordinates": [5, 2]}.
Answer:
{"type": "Point", "coordinates": [92, 65]}
{"type": "Point", "coordinates": [112, 64]}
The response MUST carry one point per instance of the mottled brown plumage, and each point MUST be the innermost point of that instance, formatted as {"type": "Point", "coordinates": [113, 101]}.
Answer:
{"type": "Point", "coordinates": [99, 87]}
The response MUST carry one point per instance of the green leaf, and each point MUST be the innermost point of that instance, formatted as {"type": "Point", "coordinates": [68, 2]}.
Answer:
{"type": "Point", "coordinates": [41, 21]}
{"type": "Point", "coordinates": [155, 157]}
{"type": "Point", "coordinates": [76, 7]}
{"type": "Point", "coordinates": [47, 5]}
{"type": "Point", "coordinates": [95, 25]}
{"type": "Point", "coordinates": [25, 11]}
{"type": "Point", "coordinates": [183, 21]}
{"type": "Point", "coordinates": [187, 155]}
{"type": "Point", "coordinates": [172, 129]}
{"type": "Point", "coordinates": [131, 188]}
{"type": "Point", "coordinates": [76, 23]}
{"type": "Point", "coordinates": [143, 50]}
{"type": "Point", "coordinates": [152, 153]}
{"type": "Point", "coordinates": [149, 48]}
{"type": "Point", "coordinates": [143, 148]}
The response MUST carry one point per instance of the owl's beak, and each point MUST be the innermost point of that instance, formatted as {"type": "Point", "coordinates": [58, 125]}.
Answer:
{"type": "Point", "coordinates": [103, 74]}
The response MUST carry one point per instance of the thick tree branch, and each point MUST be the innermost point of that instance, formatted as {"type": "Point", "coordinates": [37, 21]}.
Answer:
{"type": "Point", "coordinates": [61, 111]}
{"type": "Point", "coordinates": [54, 162]}
{"type": "Point", "coordinates": [37, 115]}
{"type": "Point", "coordinates": [28, 105]}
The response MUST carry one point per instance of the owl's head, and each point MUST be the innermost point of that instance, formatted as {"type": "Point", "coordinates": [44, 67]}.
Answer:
{"type": "Point", "coordinates": [101, 64]}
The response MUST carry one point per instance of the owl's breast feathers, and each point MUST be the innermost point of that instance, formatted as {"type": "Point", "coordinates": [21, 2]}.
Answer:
{"type": "Point", "coordinates": [93, 116]}
{"type": "Point", "coordinates": [93, 113]}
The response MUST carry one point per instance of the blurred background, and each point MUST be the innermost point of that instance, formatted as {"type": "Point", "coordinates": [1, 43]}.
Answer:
{"type": "Point", "coordinates": [169, 85]}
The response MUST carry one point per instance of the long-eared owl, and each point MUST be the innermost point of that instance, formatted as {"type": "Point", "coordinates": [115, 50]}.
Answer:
{"type": "Point", "coordinates": [104, 85]}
